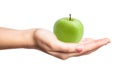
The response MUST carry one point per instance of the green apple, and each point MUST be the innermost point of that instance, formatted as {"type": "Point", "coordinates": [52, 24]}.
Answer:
{"type": "Point", "coordinates": [68, 29]}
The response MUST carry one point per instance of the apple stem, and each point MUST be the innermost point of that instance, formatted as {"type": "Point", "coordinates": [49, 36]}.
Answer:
{"type": "Point", "coordinates": [70, 17]}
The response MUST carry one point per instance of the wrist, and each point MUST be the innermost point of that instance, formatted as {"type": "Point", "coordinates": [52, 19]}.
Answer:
{"type": "Point", "coordinates": [29, 38]}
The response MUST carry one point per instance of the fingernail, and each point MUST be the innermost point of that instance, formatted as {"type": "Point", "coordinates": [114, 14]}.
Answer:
{"type": "Point", "coordinates": [79, 49]}
{"type": "Point", "coordinates": [107, 41]}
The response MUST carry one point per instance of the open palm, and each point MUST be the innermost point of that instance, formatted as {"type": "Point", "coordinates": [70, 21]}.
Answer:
{"type": "Point", "coordinates": [48, 43]}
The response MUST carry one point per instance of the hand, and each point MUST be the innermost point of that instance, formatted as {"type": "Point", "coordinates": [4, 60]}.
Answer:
{"type": "Point", "coordinates": [48, 43]}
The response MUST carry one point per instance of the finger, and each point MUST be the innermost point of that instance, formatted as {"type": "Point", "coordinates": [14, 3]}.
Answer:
{"type": "Point", "coordinates": [81, 53]}
{"type": "Point", "coordinates": [63, 55]}
{"type": "Point", "coordinates": [103, 41]}
{"type": "Point", "coordinates": [100, 42]}
{"type": "Point", "coordinates": [74, 54]}
{"type": "Point", "coordinates": [95, 45]}
{"type": "Point", "coordinates": [88, 52]}
{"type": "Point", "coordinates": [60, 55]}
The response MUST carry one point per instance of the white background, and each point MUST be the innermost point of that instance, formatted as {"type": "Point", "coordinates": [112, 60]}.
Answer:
{"type": "Point", "coordinates": [101, 18]}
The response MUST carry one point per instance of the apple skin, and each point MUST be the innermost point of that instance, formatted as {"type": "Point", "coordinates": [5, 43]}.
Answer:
{"type": "Point", "coordinates": [68, 30]}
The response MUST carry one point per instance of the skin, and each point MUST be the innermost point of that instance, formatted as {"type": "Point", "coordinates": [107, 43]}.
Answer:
{"type": "Point", "coordinates": [47, 42]}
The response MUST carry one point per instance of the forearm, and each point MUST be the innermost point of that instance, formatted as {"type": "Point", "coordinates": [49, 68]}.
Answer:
{"type": "Point", "coordinates": [10, 38]}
